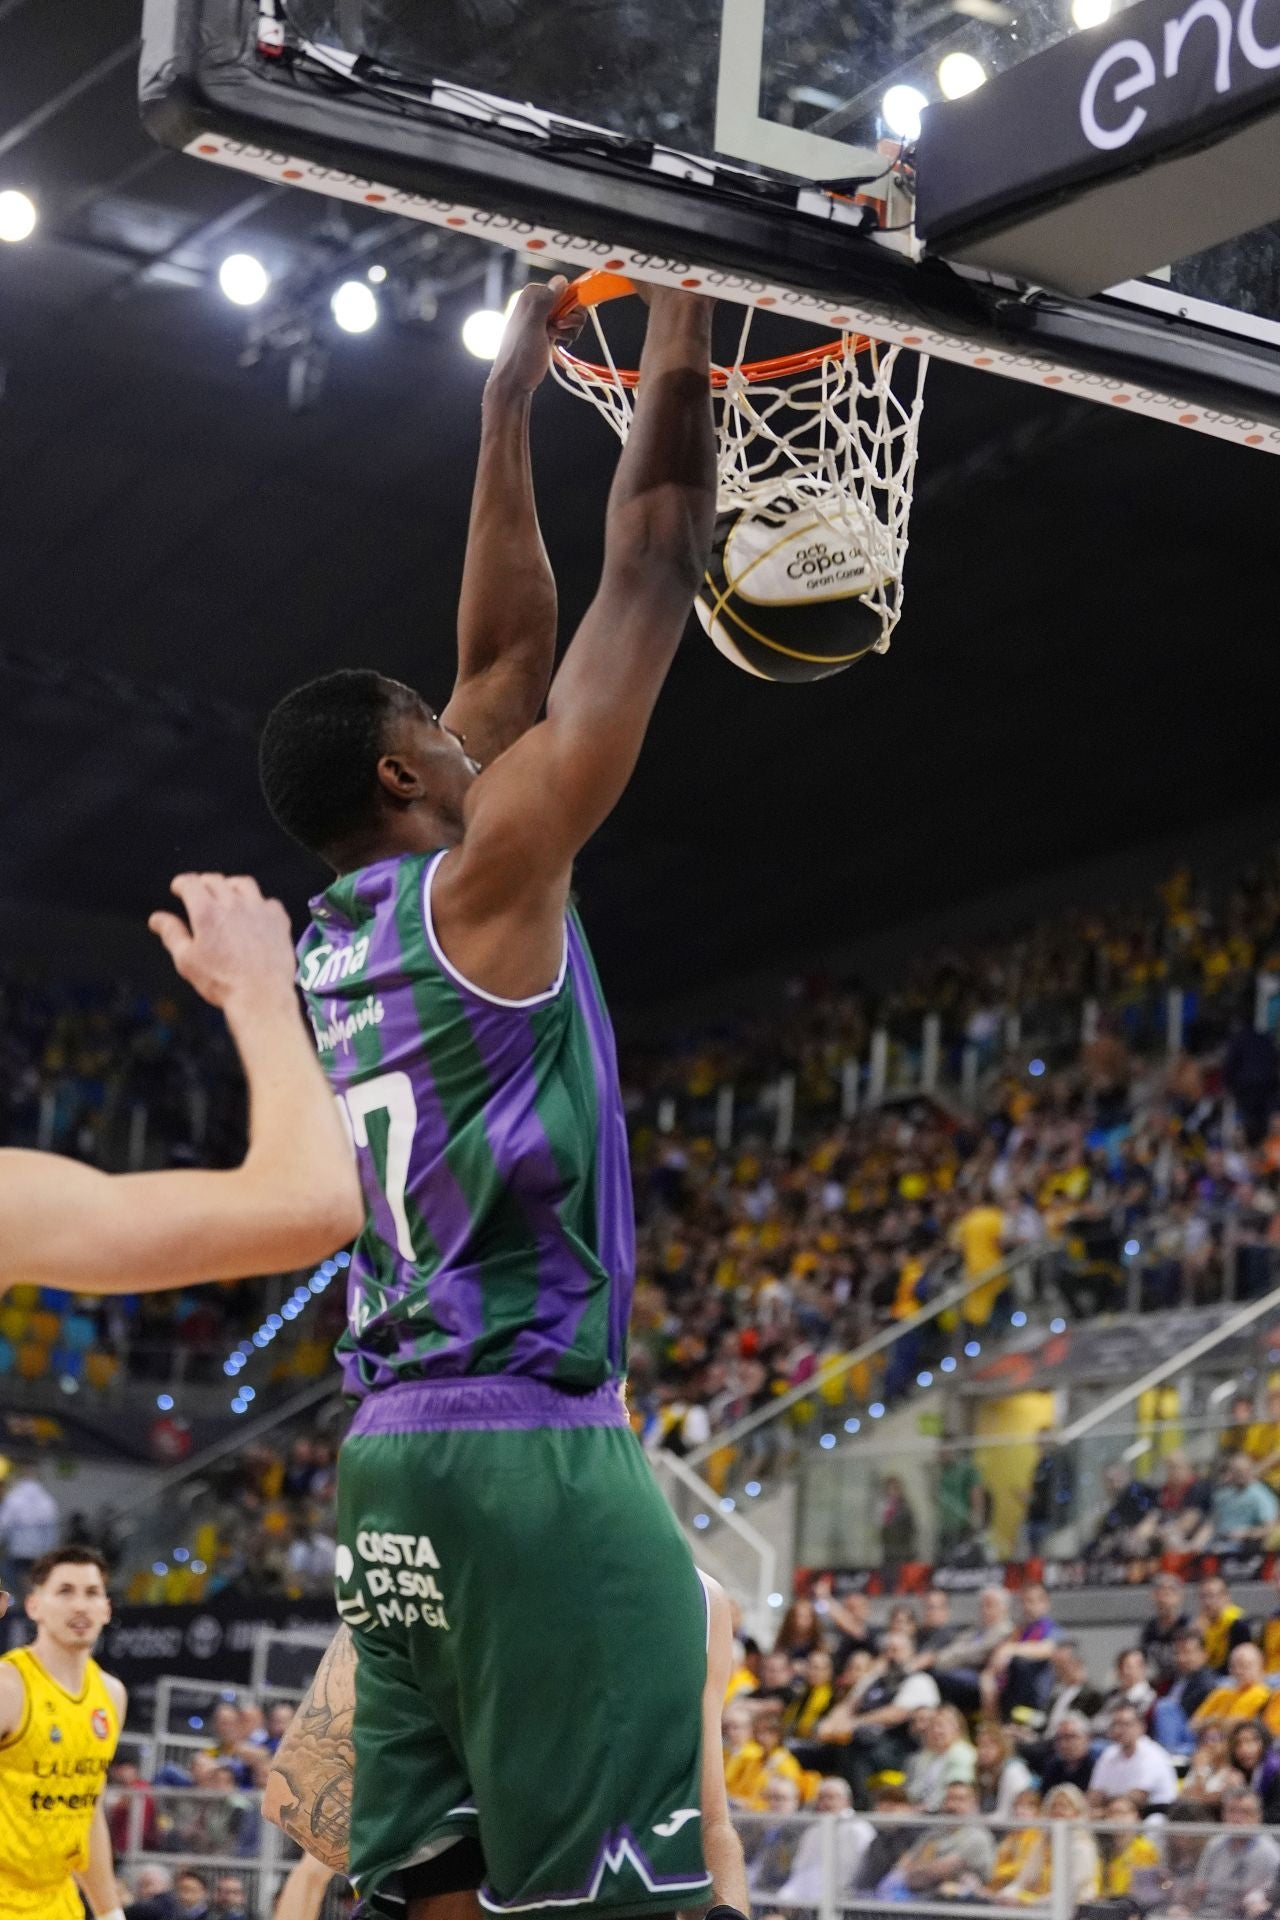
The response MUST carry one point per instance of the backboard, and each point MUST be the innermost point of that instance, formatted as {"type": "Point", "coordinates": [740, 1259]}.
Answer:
{"type": "Point", "coordinates": [759, 148]}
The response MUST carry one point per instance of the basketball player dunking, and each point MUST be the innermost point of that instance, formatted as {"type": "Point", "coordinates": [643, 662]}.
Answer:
{"type": "Point", "coordinates": [60, 1718]}
{"type": "Point", "coordinates": [531, 1635]}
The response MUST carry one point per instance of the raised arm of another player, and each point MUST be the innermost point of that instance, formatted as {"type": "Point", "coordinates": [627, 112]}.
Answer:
{"type": "Point", "coordinates": [295, 1197]}
{"type": "Point", "coordinates": [499, 899]}
{"type": "Point", "coordinates": [508, 610]}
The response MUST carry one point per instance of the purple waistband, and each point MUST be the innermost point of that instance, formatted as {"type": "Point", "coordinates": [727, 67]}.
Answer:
{"type": "Point", "coordinates": [493, 1401]}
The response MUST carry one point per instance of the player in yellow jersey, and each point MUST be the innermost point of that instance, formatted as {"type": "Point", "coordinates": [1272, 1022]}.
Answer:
{"type": "Point", "coordinates": [60, 1718]}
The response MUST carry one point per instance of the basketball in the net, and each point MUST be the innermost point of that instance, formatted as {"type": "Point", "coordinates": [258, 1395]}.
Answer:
{"type": "Point", "coordinates": [786, 594]}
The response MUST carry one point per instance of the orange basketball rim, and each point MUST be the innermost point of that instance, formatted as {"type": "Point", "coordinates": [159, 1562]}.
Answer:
{"type": "Point", "coordinates": [593, 290]}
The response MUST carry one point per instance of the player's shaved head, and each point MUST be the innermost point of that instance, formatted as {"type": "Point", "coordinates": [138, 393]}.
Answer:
{"type": "Point", "coordinates": [318, 757]}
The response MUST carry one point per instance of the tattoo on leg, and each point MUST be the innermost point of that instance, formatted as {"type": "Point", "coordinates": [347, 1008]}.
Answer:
{"type": "Point", "coordinates": [316, 1759]}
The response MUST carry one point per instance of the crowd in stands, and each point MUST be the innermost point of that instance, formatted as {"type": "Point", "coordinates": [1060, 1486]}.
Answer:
{"type": "Point", "coordinates": [260, 1525]}
{"type": "Point", "coordinates": [123, 1080]}
{"type": "Point", "coordinates": [219, 1816]}
{"type": "Point", "coordinates": [177, 1828]}
{"type": "Point", "coordinates": [964, 1740]}
{"type": "Point", "coordinates": [79, 1059]}
{"type": "Point", "coordinates": [1229, 1504]}
{"type": "Point", "coordinates": [158, 1892]}
{"type": "Point", "coordinates": [964, 1743]}
{"type": "Point", "coordinates": [758, 1264]}
{"type": "Point", "coordinates": [276, 1519]}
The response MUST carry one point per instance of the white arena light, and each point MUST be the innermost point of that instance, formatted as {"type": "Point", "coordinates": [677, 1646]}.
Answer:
{"type": "Point", "coordinates": [482, 332]}
{"type": "Point", "coordinates": [377, 275]}
{"type": "Point", "coordinates": [901, 109]}
{"type": "Point", "coordinates": [960, 73]}
{"type": "Point", "coordinates": [1090, 13]}
{"type": "Point", "coordinates": [355, 306]}
{"type": "Point", "coordinates": [17, 216]}
{"type": "Point", "coordinates": [243, 279]}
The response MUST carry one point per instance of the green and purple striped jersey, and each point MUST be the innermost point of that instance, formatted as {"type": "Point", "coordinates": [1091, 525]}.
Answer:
{"type": "Point", "coordinates": [499, 1238]}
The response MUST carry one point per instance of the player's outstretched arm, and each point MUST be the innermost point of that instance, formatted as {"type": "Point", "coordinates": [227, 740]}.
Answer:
{"type": "Point", "coordinates": [296, 1196]}
{"type": "Point", "coordinates": [508, 610]}
{"type": "Point", "coordinates": [499, 899]}
{"type": "Point", "coordinates": [721, 1846]}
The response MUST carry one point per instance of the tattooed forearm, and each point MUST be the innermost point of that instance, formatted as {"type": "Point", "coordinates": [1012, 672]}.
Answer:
{"type": "Point", "coordinates": [309, 1788]}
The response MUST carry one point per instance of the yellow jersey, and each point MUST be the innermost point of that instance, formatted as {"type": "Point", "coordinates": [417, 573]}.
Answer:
{"type": "Point", "coordinates": [1134, 1856]}
{"type": "Point", "coordinates": [978, 1235]}
{"type": "Point", "coordinates": [1011, 1856]}
{"type": "Point", "coordinates": [1233, 1703]}
{"type": "Point", "coordinates": [53, 1768]}
{"type": "Point", "coordinates": [1216, 1635]}
{"type": "Point", "coordinates": [747, 1772]}
{"type": "Point", "coordinates": [1262, 1440]}
{"type": "Point", "coordinates": [1271, 1644]}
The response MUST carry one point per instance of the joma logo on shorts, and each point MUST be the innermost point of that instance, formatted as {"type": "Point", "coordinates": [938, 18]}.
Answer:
{"type": "Point", "coordinates": [397, 1549]}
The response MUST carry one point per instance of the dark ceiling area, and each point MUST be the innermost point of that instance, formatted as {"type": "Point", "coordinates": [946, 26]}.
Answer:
{"type": "Point", "coordinates": [1088, 658]}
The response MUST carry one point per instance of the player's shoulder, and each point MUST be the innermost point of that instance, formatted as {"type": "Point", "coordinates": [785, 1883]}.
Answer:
{"type": "Point", "coordinates": [719, 1615]}
{"type": "Point", "coordinates": [717, 1598]}
{"type": "Point", "coordinates": [116, 1689]}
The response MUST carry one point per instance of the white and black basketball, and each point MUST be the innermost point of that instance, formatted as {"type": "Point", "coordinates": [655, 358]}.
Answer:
{"type": "Point", "coordinates": [789, 594]}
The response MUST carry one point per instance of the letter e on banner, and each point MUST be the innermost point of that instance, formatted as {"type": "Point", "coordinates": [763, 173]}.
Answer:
{"type": "Point", "coordinates": [1144, 77]}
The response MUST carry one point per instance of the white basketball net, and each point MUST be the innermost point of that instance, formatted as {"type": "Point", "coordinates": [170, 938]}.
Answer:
{"type": "Point", "coordinates": [836, 440]}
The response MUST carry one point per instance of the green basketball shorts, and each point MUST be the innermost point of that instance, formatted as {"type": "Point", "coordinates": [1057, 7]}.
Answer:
{"type": "Point", "coordinates": [531, 1637]}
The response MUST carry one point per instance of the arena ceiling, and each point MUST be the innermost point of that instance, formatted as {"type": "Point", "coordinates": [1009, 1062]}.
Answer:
{"type": "Point", "coordinates": [1088, 657]}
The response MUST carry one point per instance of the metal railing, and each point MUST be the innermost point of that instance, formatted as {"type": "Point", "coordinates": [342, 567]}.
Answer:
{"type": "Point", "coordinates": [837, 1523]}
{"type": "Point", "coordinates": [1020, 1270]}
{"type": "Point", "coordinates": [741, 1557]}
{"type": "Point", "coordinates": [178, 1500]}
{"type": "Point", "coordinates": [1268, 1305]}
{"type": "Point", "coordinates": [925, 1054]}
{"type": "Point", "coordinates": [783, 1435]}
{"type": "Point", "coordinates": [836, 1453]}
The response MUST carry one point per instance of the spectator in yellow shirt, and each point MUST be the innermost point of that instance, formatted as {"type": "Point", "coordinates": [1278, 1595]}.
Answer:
{"type": "Point", "coordinates": [1032, 1885]}
{"type": "Point", "coordinates": [1244, 1696]}
{"type": "Point", "coordinates": [1233, 1436]}
{"type": "Point", "coordinates": [1131, 1853]}
{"type": "Point", "coordinates": [1271, 1633]}
{"type": "Point", "coordinates": [1262, 1442]}
{"type": "Point", "coordinates": [979, 1236]}
{"type": "Point", "coordinates": [801, 1715]}
{"type": "Point", "coordinates": [1016, 1846]}
{"type": "Point", "coordinates": [750, 1767]}
{"type": "Point", "coordinates": [906, 1299]}
{"type": "Point", "coordinates": [741, 1752]}
{"type": "Point", "coordinates": [1221, 1624]}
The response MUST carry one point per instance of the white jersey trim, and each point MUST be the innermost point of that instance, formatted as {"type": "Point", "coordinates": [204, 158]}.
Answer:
{"type": "Point", "coordinates": [460, 979]}
{"type": "Point", "coordinates": [704, 1580]}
